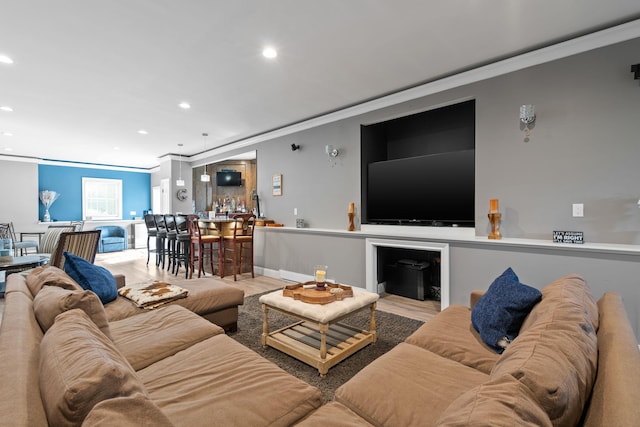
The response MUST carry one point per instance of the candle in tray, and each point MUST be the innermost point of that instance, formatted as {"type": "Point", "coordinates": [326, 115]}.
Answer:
{"type": "Point", "coordinates": [352, 207]}
{"type": "Point", "coordinates": [493, 206]}
{"type": "Point", "coordinates": [320, 273]}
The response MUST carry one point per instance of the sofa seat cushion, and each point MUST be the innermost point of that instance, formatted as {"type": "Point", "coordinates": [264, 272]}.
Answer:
{"type": "Point", "coordinates": [407, 386]}
{"type": "Point", "coordinates": [205, 296]}
{"type": "Point", "coordinates": [51, 276]}
{"type": "Point", "coordinates": [334, 414]}
{"type": "Point", "coordinates": [146, 338]}
{"type": "Point", "coordinates": [556, 356]}
{"type": "Point", "coordinates": [80, 367]}
{"type": "Point", "coordinates": [52, 300]}
{"type": "Point", "coordinates": [503, 401]}
{"type": "Point", "coordinates": [219, 381]}
{"type": "Point", "coordinates": [130, 411]}
{"type": "Point", "coordinates": [112, 240]}
{"type": "Point", "coordinates": [451, 335]}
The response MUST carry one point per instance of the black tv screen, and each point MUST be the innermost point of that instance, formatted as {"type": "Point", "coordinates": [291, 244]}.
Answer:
{"type": "Point", "coordinates": [228, 179]}
{"type": "Point", "coordinates": [437, 189]}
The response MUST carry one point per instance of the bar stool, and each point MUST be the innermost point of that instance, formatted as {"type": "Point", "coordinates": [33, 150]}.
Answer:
{"type": "Point", "coordinates": [150, 223]}
{"type": "Point", "coordinates": [172, 239]}
{"type": "Point", "coordinates": [161, 238]}
{"type": "Point", "coordinates": [183, 244]}
{"type": "Point", "coordinates": [238, 243]}
{"type": "Point", "coordinates": [204, 243]}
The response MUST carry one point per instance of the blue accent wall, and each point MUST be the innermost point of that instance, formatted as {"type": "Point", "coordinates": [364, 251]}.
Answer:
{"type": "Point", "coordinates": [67, 181]}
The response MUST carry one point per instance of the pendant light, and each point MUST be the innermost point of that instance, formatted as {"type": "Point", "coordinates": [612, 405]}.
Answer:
{"type": "Point", "coordinates": [180, 181]}
{"type": "Point", "coordinates": [204, 177]}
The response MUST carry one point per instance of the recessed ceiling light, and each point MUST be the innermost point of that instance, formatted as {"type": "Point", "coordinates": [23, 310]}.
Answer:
{"type": "Point", "coordinates": [116, 148]}
{"type": "Point", "coordinates": [269, 52]}
{"type": "Point", "coordinates": [184, 105]}
{"type": "Point", "coordinates": [8, 149]}
{"type": "Point", "coordinates": [5, 59]}
{"type": "Point", "coordinates": [7, 134]}
{"type": "Point", "coordinates": [6, 108]}
{"type": "Point", "coordinates": [143, 132]}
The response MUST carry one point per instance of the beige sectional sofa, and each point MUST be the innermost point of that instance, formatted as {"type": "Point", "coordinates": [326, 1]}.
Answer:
{"type": "Point", "coordinates": [574, 362]}
{"type": "Point", "coordinates": [65, 362]}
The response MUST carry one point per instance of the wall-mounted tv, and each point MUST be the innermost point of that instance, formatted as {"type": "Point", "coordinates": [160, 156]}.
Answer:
{"type": "Point", "coordinates": [436, 189]}
{"type": "Point", "coordinates": [228, 179]}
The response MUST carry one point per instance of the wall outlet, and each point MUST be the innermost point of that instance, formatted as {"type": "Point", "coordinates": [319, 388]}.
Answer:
{"type": "Point", "coordinates": [578, 210]}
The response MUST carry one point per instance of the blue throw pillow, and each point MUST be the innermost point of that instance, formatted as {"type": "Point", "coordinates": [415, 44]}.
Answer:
{"type": "Point", "coordinates": [91, 277]}
{"type": "Point", "coordinates": [498, 315]}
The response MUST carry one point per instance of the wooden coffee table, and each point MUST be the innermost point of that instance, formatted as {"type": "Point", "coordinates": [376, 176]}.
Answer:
{"type": "Point", "coordinates": [319, 339]}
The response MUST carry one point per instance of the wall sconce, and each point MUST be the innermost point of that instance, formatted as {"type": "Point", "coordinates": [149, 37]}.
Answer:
{"type": "Point", "coordinates": [527, 120]}
{"type": "Point", "coordinates": [180, 181]}
{"type": "Point", "coordinates": [332, 153]}
{"type": "Point", "coordinates": [204, 177]}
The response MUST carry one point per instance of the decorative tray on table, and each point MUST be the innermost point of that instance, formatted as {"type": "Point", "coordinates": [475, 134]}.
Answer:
{"type": "Point", "coordinates": [309, 293]}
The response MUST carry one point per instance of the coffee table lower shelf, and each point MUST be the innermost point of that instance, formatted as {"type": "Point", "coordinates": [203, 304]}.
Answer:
{"type": "Point", "coordinates": [303, 340]}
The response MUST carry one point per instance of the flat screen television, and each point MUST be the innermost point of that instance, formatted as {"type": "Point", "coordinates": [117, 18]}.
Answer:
{"type": "Point", "coordinates": [434, 190]}
{"type": "Point", "coordinates": [228, 179]}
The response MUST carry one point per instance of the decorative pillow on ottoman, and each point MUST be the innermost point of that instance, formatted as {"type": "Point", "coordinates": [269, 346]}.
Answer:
{"type": "Point", "coordinates": [91, 277]}
{"type": "Point", "coordinates": [498, 315]}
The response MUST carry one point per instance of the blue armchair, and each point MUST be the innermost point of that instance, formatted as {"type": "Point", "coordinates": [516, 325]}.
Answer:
{"type": "Point", "coordinates": [112, 238]}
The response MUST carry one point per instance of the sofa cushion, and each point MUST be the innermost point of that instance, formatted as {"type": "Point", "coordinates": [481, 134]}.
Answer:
{"type": "Point", "coordinates": [80, 367]}
{"type": "Point", "coordinates": [407, 386]}
{"type": "Point", "coordinates": [92, 277]}
{"type": "Point", "coordinates": [557, 355]}
{"type": "Point", "coordinates": [52, 301]}
{"type": "Point", "coordinates": [51, 276]}
{"type": "Point", "coordinates": [136, 410]}
{"type": "Point", "coordinates": [156, 334]}
{"type": "Point", "coordinates": [219, 381]}
{"type": "Point", "coordinates": [205, 296]}
{"type": "Point", "coordinates": [334, 414]}
{"type": "Point", "coordinates": [451, 335]}
{"type": "Point", "coordinates": [498, 315]}
{"type": "Point", "coordinates": [502, 401]}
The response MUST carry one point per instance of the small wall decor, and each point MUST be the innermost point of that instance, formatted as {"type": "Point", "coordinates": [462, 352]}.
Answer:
{"type": "Point", "coordinates": [276, 185]}
{"type": "Point", "coordinates": [575, 237]}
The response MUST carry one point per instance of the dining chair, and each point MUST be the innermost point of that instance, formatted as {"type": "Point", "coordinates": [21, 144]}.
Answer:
{"type": "Point", "coordinates": [80, 243]}
{"type": "Point", "coordinates": [22, 246]}
{"type": "Point", "coordinates": [239, 244]}
{"type": "Point", "coordinates": [207, 245]}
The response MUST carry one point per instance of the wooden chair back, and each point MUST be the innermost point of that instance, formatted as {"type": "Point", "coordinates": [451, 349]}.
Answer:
{"type": "Point", "coordinates": [80, 243]}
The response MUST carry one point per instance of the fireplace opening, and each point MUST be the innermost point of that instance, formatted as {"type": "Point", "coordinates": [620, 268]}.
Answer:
{"type": "Point", "coordinates": [411, 273]}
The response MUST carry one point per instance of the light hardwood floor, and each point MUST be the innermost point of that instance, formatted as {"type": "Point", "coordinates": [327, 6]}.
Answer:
{"type": "Point", "coordinates": [133, 264]}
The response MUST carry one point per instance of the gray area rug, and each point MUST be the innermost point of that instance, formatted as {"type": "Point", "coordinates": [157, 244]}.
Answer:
{"type": "Point", "coordinates": [392, 329]}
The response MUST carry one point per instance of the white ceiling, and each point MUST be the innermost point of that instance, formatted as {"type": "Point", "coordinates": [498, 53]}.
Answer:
{"type": "Point", "coordinates": [87, 75]}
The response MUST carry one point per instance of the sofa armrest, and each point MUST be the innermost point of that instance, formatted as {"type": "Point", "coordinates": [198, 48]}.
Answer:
{"type": "Point", "coordinates": [120, 280]}
{"type": "Point", "coordinates": [474, 297]}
